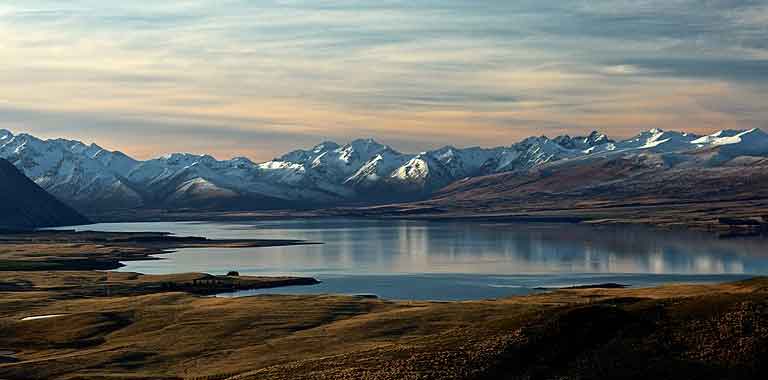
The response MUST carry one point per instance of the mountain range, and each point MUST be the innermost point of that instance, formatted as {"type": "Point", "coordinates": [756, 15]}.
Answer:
{"type": "Point", "coordinates": [24, 205]}
{"type": "Point", "coordinates": [714, 183]}
{"type": "Point", "coordinates": [361, 172]}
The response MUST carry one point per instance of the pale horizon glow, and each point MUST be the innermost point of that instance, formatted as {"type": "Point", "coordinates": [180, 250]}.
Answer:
{"type": "Point", "coordinates": [257, 79]}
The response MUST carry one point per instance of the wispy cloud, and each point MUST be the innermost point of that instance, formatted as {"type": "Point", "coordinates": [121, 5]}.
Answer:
{"type": "Point", "coordinates": [415, 73]}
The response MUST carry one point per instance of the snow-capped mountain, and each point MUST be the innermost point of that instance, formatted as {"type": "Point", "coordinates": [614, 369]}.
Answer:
{"type": "Point", "coordinates": [72, 171]}
{"type": "Point", "coordinates": [657, 140]}
{"type": "Point", "coordinates": [733, 143]}
{"type": "Point", "coordinates": [362, 171]}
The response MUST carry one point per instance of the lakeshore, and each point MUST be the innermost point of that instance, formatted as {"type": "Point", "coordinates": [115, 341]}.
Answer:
{"type": "Point", "coordinates": [695, 331]}
{"type": "Point", "coordinates": [93, 324]}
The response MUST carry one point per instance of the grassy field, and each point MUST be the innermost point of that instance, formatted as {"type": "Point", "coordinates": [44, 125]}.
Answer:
{"type": "Point", "coordinates": [705, 331]}
{"type": "Point", "coordinates": [69, 250]}
{"type": "Point", "coordinates": [109, 325]}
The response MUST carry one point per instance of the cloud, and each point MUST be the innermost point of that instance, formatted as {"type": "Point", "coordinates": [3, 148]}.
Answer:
{"type": "Point", "coordinates": [145, 137]}
{"type": "Point", "coordinates": [419, 72]}
{"type": "Point", "coordinates": [727, 69]}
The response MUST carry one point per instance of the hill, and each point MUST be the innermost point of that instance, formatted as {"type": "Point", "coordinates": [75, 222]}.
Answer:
{"type": "Point", "coordinates": [654, 166]}
{"type": "Point", "coordinates": [24, 205]}
{"type": "Point", "coordinates": [672, 332]}
{"type": "Point", "coordinates": [720, 185]}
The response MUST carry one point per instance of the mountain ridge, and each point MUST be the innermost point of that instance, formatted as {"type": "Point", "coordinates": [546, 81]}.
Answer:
{"type": "Point", "coordinates": [362, 171]}
{"type": "Point", "coordinates": [24, 205]}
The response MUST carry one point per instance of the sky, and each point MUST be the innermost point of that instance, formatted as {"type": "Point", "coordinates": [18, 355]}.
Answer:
{"type": "Point", "coordinates": [258, 78]}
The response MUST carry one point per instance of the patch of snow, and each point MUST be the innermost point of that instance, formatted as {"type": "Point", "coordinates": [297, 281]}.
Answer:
{"type": "Point", "coordinates": [74, 171]}
{"type": "Point", "coordinates": [36, 317]}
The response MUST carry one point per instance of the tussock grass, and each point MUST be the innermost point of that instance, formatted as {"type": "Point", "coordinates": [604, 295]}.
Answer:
{"type": "Point", "coordinates": [681, 331]}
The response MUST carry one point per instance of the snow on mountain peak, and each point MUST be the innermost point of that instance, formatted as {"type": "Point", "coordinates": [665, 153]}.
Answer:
{"type": "Point", "coordinates": [357, 153]}
{"type": "Point", "coordinates": [186, 158]}
{"type": "Point", "coordinates": [732, 143]}
{"type": "Point", "coordinates": [327, 172]}
{"type": "Point", "coordinates": [727, 133]}
{"type": "Point", "coordinates": [303, 156]}
{"type": "Point", "coordinates": [659, 140]}
{"type": "Point", "coordinates": [596, 138]}
{"type": "Point", "coordinates": [731, 136]}
{"type": "Point", "coordinates": [69, 169]}
{"type": "Point", "coordinates": [415, 169]}
{"type": "Point", "coordinates": [582, 143]}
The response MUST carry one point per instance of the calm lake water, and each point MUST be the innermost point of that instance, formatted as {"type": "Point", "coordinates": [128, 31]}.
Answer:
{"type": "Point", "coordinates": [455, 260]}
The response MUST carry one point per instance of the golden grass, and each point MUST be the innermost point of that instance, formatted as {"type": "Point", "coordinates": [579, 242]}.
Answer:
{"type": "Point", "coordinates": [338, 337]}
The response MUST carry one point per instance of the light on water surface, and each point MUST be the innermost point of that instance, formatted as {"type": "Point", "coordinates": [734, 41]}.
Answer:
{"type": "Point", "coordinates": [451, 260]}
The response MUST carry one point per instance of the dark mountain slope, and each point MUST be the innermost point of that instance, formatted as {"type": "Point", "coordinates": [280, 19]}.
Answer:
{"type": "Point", "coordinates": [661, 189]}
{"type": "Point", "coordinates": [24, 204]}
{"type": "Point", "coordinates": [644, 178]}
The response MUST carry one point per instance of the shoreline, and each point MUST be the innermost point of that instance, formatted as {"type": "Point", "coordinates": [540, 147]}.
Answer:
{"type": "Point", "coordinates": [731, 218]}
{"type": "Point", "coordinates": [92, 250]}
{"type": "Point", "coordinates": [177, 335]}
{"type": "Point", "coordinates": [120, 324]}
{"type": "Point", "coordinates": [86, 254]}
{"type": "Point", "coordinates": [85, 250]}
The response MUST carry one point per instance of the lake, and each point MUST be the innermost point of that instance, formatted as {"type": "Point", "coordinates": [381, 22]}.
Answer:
{"type": "Point", "coordinates": [422, 260]}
